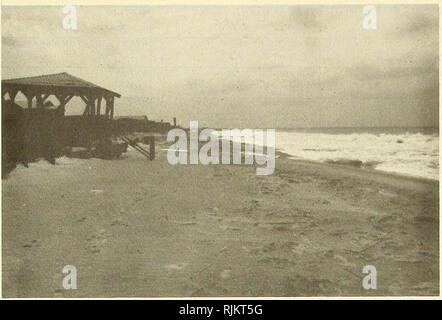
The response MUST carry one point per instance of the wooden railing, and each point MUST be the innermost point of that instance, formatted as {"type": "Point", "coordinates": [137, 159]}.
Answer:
{"type": "Point", "coordinates": [148, 154]}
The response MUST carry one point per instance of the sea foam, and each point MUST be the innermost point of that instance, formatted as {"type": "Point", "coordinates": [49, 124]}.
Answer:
{"type": "Point", "coordinates": [414, 154]}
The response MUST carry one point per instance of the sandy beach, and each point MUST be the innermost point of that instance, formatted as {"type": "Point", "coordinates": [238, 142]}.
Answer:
{"type": "Point", "coordinates": [139, 228]}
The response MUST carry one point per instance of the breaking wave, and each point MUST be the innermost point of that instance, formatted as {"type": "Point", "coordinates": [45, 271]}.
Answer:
{"type": "Point", "coordinates": [415, 154]}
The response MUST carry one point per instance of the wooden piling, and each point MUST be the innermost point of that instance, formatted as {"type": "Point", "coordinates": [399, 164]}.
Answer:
{"type": "Point", "coordinates": [152, 148]}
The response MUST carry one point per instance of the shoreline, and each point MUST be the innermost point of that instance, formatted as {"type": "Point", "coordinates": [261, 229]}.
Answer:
{"type": "Point", "coordinates": [356, 169]}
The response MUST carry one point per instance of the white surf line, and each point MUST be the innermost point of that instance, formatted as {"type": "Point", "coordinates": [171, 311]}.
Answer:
{"type": "Point", "coordinates": [176, 150]}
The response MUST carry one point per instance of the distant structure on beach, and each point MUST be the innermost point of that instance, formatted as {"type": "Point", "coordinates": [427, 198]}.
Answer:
{"type": "Point", "coordinates": [141, 124]}
{"type": "Point", "coordinates": [41, 129]}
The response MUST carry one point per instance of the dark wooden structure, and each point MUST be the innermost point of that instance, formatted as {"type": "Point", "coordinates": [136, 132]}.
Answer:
{"type": "Point", "coordinates": [150, 140]}
{"type": "Point", "coordinates": [44, 128]}
{"type": "Point", "coordinates": [63, 86]}
{"type": "Point", "coordinates": [140, 124]}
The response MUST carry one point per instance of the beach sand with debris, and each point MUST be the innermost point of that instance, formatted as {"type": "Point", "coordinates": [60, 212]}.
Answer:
{"type": "Point", "coordinates": [139, 228]}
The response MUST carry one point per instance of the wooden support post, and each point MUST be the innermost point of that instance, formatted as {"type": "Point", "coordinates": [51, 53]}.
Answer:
{"type": "Point", "coordinates": [92, 105]}
{"type": "Point", "coordinates": [106, 111]}
{"type": "Point", "coordinates": [152, 148]}
{"type": "Point", "coordinates": [12, 95]}
{"type": "Point", "coordinates": [86, 110]}
{"type": "Point", "coordinates": [111, 108]}
{"type": "Point", "coordinates": [65, 102]}
{"type": "Point", "coordinates": [58, 130]}
{"type": "Point", "coordinates": [62, 99]}
{"type": "Point", "coordinates": [45, 96]}
{"type": "Point", "coordinates": [25, 156]}
{"type": "Point", "coordinates": [39, 101]}
{"type": "Point", "coordinates": [99, 106]}
{"type": "Point", "coordinates": [29, 97]}
{"type": "Point", "coordinates": [68, 98]}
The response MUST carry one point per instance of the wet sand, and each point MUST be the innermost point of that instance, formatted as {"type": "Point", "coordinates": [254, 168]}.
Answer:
{"type": "Point", "coordinates": [139, 228]}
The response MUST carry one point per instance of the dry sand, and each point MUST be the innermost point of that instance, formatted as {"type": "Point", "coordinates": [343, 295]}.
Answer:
{"type": "Point", "coordinates": [136, 228]}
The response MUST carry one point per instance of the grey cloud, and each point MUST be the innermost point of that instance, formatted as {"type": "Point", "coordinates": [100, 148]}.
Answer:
{"type": "Point", "coordinates": [9, 41]}
{"type": "Point", "coordinates": [306, 17]}
{"type": "Point", "coordinates": [422, 24]}
{"type": "Point", "coordinates": [371, 72]}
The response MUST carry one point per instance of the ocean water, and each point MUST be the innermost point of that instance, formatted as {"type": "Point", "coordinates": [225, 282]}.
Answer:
{"type": "Point", "coordinates": [407, 151]}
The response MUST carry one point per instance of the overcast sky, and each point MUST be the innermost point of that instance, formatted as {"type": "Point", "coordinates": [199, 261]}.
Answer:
{"type": "Point", "coordinates": [272, 66]}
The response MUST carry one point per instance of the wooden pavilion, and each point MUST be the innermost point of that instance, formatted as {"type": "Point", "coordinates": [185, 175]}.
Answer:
{"type": "Point", "coordinates": [44, 129]}
{"type": "Point", "coordinates": [63, 86]}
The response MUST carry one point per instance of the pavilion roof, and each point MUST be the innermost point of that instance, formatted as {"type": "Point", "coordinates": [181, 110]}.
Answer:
{"type": "Point", "coordinates": [58, 81]}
